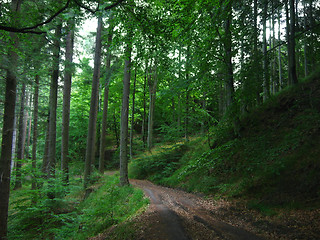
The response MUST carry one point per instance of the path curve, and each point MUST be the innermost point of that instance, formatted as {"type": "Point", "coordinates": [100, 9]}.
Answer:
{"type": "Point", "coordinates": [177, 215]}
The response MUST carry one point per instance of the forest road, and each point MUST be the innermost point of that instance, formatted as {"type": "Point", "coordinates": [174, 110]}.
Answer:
{"type": "Point", "coordinates": [177, 215]}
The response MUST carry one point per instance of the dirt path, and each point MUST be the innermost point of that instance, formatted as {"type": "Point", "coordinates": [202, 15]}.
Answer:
{"type": "Point", "coordinates": [177, 215]}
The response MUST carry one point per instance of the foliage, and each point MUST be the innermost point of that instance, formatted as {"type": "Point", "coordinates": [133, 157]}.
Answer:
{"type": "Point", "coordinates": [159, 164]}
{"type": "Point", "coordinates": [274, 160]}
{"type": "Point", "coordinates": [33, 215]}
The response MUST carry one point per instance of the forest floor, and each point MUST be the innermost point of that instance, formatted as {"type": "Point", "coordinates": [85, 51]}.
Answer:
{"type": "Point", "coordinates": [177, 215]}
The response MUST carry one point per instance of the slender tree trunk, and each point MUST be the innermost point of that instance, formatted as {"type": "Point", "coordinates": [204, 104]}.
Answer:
{"type": "Point", "coordinates": [228, 58]}
{"type": "Point", "coordinates": [66, 101]}
{"type": "Point", "coordinates": [186, 132]}
{"type": "Point", "coordinates": [266, 91]}
{"type": "Point", "coordinates": [7, 129]}
{"type": "Point", "coordinates": [105, 101]}
{"type": "Point", "coordinates": [305, 41]}
{"type": "Point", "coordinates": [125, 114]}
{"type": "Point", "coordinates": [46, 149]}
{"type": "Point", "coordinates": [143, 131]}
{"type": "Point", "coordinates": [91, 138]}
{"type": "Point", "coordinates": [279, 51]}
{"type": "Point", "coordinates": [21, 133]}
{"type": "Point", "coordinates": [152, 99]}
{"type": "Point", "coordinates": [35, 131]}
{"type": "Point", "coordinates": [133, 112]}
{"type": "Point", "coordinates": [291, 51]}
{"type": "Point", "coordinates": [50, 171]}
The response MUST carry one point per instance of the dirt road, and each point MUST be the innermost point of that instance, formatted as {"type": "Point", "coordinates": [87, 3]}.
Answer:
{"type": "Point", "coordinates": [177, 215]}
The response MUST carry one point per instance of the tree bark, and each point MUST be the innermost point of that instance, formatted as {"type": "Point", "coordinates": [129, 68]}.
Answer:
{"type": "Point", "coordinates": [279, 51]}
{"type": "Point", "coordinates": [21, 134]}
{"type": "Point", "coordinates": [35, 131]}
{"type": "Point", "coordinates": [7, 130]}
{"type": "Point", "coordinates": [133, 112]}
{"type": "Point", "coordinates": [105, 101]}
{"type": "Point", "coordinates": [124, 115]}
{"type": "Point", "coordinates": [143, 131]}
{"type": "Point", "coordinates": [291, 50]}
{"type": "Point", "coordinates": [66, 101]}
{"type": "Point", "coordinates": [50, 170]}
{"type": "Point", "coordinates": [91, 138]}
{"type": "Point", "coordinates": [266, 91]}
{"type": "Point", "coordinates": [152, 81]}
{"type": "Point", "coordinates": [228, 58]}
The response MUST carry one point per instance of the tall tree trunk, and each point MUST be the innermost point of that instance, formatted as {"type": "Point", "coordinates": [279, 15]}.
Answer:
{"type": "Point", "coordinates": [291, 51]}
{"type": "Point", "coordinates": [125, 114]}
{"type": "Point", "coordinates": [133, 112]}
{"type": "Point", "coordinates": [229, 88]}
{"type": "Point", "coordinates": [7, 130]}
{"type": "Point", "coordinates": [50, 171]}
{"type": "Point", "coordinates": [21, 133]}
{"type": "Point", "coordinates": [106, 100]}
{"type": "Point", "coordinates": [143, 130]}
{"type": "Point", "coordinates": [266, 91]}
{"type": "Point", "coordinates": [46, 149]}
{"type": "Point", "coordinates": [255, 52]}
{"type": "Point", "coordinates": [91, 138]}
{"type": "Point", "coordinates": [279, 51]}
{"type": "Point", "coordinates": [152, 81]}
{"type": "Point", "coordinates": [66, 101]}
{"type": "Point", "coordinates": [186, 129]}
{"type": "Point", "coordinates": [305, 41]}
{"type": "Point", "coordinates": [35, 131]}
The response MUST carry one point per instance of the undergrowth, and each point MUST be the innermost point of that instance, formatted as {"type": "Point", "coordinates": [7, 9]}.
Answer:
{"type": "Point", "coordinates": [274, 161]}
{"type": "Point", "coordinates": [33, 215]}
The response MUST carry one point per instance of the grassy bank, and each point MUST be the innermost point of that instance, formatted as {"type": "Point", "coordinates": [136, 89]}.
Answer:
{"type": "Point", "coordinates": [68, 215]}
{"type": "Point", "coordinates": [273, 161]}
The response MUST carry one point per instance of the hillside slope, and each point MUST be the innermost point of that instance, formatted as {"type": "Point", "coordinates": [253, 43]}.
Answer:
{"type": "Point", "coordinates": [275, 160]}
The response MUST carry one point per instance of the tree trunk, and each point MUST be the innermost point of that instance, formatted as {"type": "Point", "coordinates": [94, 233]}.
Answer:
{"type": "Point", "coordinates": [91, 138]}
{"type": "Point", "coordinates": [7, 130]}
{"type": "Point", "coordinates": [291, 51]}
{"type": "Point", "coordinates": [143, 131]}
{"type": "Point", "coordinates": [35, 131]}
{"type": "Point", "coordinates": [105, 101]}
{"type": "Point", "coordinates": [66, 101]}
{"type": "Point", "coordinates": [266, 91]}
{"type": "Point", "coordinates": [228, 58]}
{"type": "Point", "coordinates": [279, 52]}
{"type": "Point", "coordinates": [305, 42]}
{"type": "Point", "coordinates": [21, 134]}
{"type": "Point", "coordinates": [133, 112]}
{"type": "Point", "coordinates": [152, 81]}
{"type": "Point", "coordinates": [46, 149]}
{"type": "Point", "coordinates": [124, 115]}
{"type": "Point", "coordinates": [50, 170]}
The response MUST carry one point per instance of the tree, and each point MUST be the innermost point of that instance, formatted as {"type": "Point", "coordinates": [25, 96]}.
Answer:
{"type": "Point", "coordinates": [21, 138]}
{"type": "Point", "coordinates": [125, 113]}
{"type": "Point", "coordinates": [291, 45]}
{"type": "Point", "coordinates": [66, 99]}
{"type": "Point", "coordinates": [35, 129]}
{"type": "Point", "coordinates": [51, 158]}
{"type": "Point", "coordinates": [91, 137]}
{"type": "Point", "coordinates": [152, 82]}
{"type": "Point", "coordinates": [8, 122]}
{"type": "Point", "coordinates": [106, 98]}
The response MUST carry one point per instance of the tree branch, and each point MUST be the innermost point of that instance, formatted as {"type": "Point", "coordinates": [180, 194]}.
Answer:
{"type": "Point", "coordinates": [96, 10]}
{"type": "Point", "coordinates": [29, 29]}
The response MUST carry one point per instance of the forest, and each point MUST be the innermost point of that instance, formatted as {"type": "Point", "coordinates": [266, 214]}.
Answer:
{"type": "Point", "coordinates": [214, 97]}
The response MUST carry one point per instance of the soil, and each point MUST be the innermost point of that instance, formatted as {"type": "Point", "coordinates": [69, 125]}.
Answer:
{"type": "Point", "coordinates": [177, 215]}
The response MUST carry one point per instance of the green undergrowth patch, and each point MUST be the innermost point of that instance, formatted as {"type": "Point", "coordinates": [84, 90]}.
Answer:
{"type": "Point", "coordinates": [34, 215]}
{"type": "Point", "coordinates": [273, 162]}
